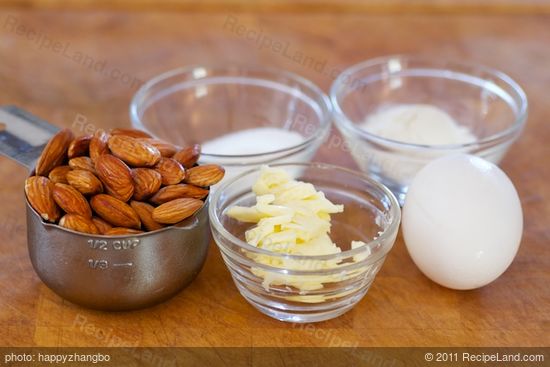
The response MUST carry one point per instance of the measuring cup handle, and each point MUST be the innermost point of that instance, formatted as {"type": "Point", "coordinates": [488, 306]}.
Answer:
{"type": "Point", "coordinates": [22, 135]}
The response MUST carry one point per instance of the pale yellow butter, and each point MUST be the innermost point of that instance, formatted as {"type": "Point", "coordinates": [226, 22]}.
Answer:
{"type": "Point", "coordinates": [292, 217]}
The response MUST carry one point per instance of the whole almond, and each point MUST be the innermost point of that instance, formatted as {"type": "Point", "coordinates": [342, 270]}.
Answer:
{"type": "Point", "coordinates": [85, 182]}
{"type": "Point", "coordinates": [121, 231]}
{"type": "Point", "coordinates": [101, 225]}
{"type": "Point", "coordinates": [172, 192]}
{"type": "Point", "coordinates": [166, 149]}
{"type": "Point", "coordinates": [59, 174]}
{"type": "Point", "coordinates": [39, 191]}
{"type": "Point", "coordinates": [145, 213]}
{"type": "Point", "coordinates": [134, 133]}
{"type": "Point", "coordinates": [135, 152]}
{"type": "Point", "coordinates": [79, 146]}
{"type": "Point", "coordinates": [205, 175]}
{"type": "Point", "coordinates": [115, 211]}
{"type": "Point", "coordinates": [177, 210]}
{"type": "Point", "coordinates": [78, 223]}
{"type": "Point", "coordinates": [172, 171]}
{"type": "Point", "coordinates": [84, 163]}
{"type": "Point", "coordinates": [116, 176]}
{"type": "Point", "coordinates": [54, 153]}
{"type": "Point", "coordinates": [189, 156]}
{"type": "Point", "coordinates": [98, 144]}
{"type": "Point", "coordinates": [71, 200]}
{"type": "Point", "coordinates": [146, 182]}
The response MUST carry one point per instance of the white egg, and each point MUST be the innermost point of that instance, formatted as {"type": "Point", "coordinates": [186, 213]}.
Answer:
{"type": "Point", "coordinates": [462, 221]}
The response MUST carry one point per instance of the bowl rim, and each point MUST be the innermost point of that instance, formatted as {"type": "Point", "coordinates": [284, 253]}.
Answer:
{"type": "Point", "coordinates": [390, 231]}
{"type": "Point", "coordinates": [343, 122]}
{"type": "Point", "coordinates": [322, 99]}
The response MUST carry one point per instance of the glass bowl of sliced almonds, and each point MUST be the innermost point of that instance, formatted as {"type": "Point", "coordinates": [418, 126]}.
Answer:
{"type": "Point", "coordinates": [116, 220]}
{"type": "Point", "coordinates": [303, 241]}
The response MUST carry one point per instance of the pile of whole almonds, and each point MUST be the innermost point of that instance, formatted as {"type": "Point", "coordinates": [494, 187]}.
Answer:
{"type": "Point", "coordinates": [118, 183]}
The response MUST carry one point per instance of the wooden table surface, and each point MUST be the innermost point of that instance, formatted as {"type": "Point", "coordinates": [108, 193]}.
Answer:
{"type": "Point", "coordinates": [403, 308]}
{"type": "Point", "coordinates": [270, 6]}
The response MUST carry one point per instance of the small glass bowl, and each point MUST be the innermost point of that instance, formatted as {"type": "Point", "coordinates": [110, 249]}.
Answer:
{"type": "Point", "coordinates": [299, 288]}
{"type": "Point", "coordinates": [488, 102]}
{"type": "Point", "coordinates": [193, 105]}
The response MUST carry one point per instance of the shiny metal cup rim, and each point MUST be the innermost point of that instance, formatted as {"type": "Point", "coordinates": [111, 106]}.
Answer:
{"type": "Point", "coordinates": [182, 226]}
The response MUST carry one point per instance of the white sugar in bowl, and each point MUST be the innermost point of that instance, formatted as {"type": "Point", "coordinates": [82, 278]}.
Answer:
{"type": "Point", "coordinates": [462, 221]}
{"type": "Point", "coordinates": [243, 117]}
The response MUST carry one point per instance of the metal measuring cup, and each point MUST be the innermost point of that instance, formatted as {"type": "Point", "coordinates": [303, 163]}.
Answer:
{"type": "Point", "coordinates": [103, 272]}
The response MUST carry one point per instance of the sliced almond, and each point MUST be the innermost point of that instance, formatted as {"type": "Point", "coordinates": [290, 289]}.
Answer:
{"type": "Point", "coordinates": [78, 223]}
{"type": "Point", "coordinates": [59, 174]}
{"type": "Point", "coordinates": [101, 225]}
{"type": "Point", "coordinates": [85, 182]}
{"type": "Point", "coordinates": [134, 133]}
{"type": "Point", "coordinates": [54, 153]}
{"type": "Point", "coordinates": [172, 171]}
{"type": "Point", "coordinates": [71, 200]}
{"type": "Point", "coordinates": [189, 156]}
{"type": "Point", "coordinates": [166, 149]}
{"type": "Point", "coordinates": [145, 213]}
{"type": "Point", "coordinates": [135, 152]}
{"type": "Point", "coordinates": [177, 210]}
{"type": "Point", "coordinates": [116, 176]}
{"type": "Point", "coordinates": [39, 191]}
{"type": "Point", "coordinates": [84, 163]}
{"type": "Point", "coordinates": [172, 192]}
{"type": "Point", "coordinates": [115, 211]}
{"type": "Point", "coordinates": [205, 175]}
{"type": "Point", "coordinates": [98, 144]}
{"type": "Point", "coordinates": [79, 146]}
{"type": "Point", "coordinates": [146, 182]}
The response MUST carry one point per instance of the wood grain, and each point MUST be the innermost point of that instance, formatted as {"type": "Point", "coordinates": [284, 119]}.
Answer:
{"type": "Point", "coordinates": [325, 6]}
{"type": "Point", "coordinates": [403, 308]}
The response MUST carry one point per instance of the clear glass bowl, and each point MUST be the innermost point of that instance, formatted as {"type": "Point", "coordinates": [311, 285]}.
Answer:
{"type": "Point", "coordinates": [299, 288]}
{"type": "Point", "coordinates": [488, 102]}
{"type": "Point", "coordinates": [197, 104]}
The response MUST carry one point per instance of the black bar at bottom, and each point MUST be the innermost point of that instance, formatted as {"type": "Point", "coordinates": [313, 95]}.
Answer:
{"type": "Point", "coordinates": [271, 357]}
